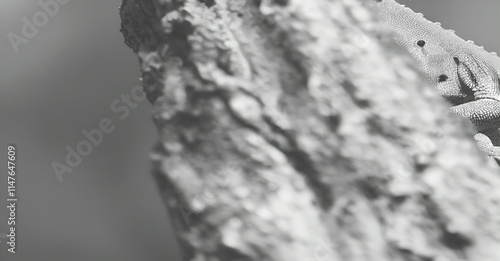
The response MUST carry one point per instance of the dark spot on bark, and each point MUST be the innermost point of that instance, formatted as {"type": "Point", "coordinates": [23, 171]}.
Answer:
{"type": "Point", "coordinates": [455, 240]}
{"type": "Point", "coordinates": [350, 88]}
{"type": "Point", "coordinates": [208, 3]}
{"type": "Point", "coordinates": [421, 43]}
{"type": "Point", "coordinates": [281, 2]}
{"type": "Point", "coordinates": [334, 122]}
{"type": "Point", "coordinates": [372, 187]}
{"type": "Point", "coordinates": [456, 60]}
{"type": "Point", "coordinates": [178, 39]}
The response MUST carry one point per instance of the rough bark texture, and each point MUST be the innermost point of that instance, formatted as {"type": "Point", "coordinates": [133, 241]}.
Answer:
{"type": "Point", "coordinates": [296, 130]}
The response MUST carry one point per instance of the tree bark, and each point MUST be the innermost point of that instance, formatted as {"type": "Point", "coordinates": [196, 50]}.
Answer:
{"type": "Point", "coordinates": [297, 130]}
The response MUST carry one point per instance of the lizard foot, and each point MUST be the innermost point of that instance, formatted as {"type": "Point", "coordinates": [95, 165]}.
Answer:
{"type": "Point", "coordinates": [484, 113]}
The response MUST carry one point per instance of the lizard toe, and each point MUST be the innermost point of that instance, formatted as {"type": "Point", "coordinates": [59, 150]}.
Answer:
{"type": "Point", "coordinates": [486, 146]}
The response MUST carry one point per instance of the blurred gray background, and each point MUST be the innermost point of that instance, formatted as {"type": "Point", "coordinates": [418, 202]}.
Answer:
{"type": "Point", "coordinates": [63, 81]}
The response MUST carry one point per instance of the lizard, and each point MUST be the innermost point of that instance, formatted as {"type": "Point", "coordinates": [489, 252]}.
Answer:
{"type": "Point", "coordinates": [460, 71]}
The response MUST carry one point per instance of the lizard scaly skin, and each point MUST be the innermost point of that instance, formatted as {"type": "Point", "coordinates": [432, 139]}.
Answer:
{"type": "Point", "coordinates": [461, 71]}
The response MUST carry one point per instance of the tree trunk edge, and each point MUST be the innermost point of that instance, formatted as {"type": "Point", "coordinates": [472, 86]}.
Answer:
{"type": "Point", "coordinates": [340, 156]}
